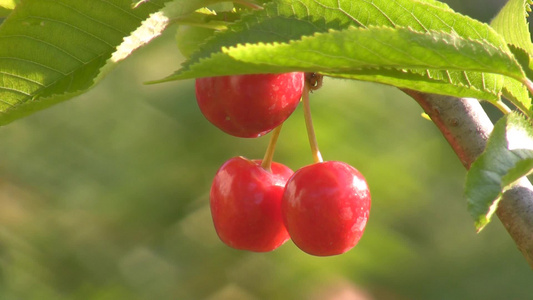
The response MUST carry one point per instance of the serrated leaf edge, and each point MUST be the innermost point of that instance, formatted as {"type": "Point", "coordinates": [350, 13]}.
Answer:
{"type": "Point", "coordinates": [481, 221]}
{"type": "Point", "coordinates": [497, 49]}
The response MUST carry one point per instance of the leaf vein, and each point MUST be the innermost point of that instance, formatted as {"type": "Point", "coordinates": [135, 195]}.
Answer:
{"type": "Point", "coordinates": [465, 76]}
{"type": "Point", "coordinates": [44, 42]}
{"type": "Point", "coordinates": [7, 103]}
{"type": "Point", "coordinates": [382, 12]}
{"type": "Point", "coordinates": [96, 20]}
{"type": "Point", "coordinates": [34, 63]}
{"type": "Point", "coordinates": [83, 31]}
{"type": "Point", "coordinates": [128, 12]}
{"type": "Point", "coordinates": [22, 78]}
{"type": "Point", "coordinates": [13, 90]}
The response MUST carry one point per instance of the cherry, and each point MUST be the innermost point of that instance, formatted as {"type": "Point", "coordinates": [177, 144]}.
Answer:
{"type": "Point", "coordinates": [249, 105]}
{"type": "Point", "coordinates": [246, 204]}
{"type": "Point", "coordinates": [325, 207]}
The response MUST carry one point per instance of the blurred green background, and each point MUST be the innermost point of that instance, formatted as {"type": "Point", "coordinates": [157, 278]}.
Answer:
{"type": "Point", "coordinates": [106, 197]}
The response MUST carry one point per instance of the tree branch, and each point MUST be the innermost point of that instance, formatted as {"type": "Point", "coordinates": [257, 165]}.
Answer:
{"type": "Point", "coordinates": [466, 126]}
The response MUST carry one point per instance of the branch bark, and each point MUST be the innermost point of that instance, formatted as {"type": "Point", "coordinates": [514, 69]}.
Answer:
{"type": "Point", "coordinates": [466, 127]}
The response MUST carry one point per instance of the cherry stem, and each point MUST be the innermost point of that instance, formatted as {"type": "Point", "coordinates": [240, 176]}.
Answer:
{"type": "Point", "coordinates": [269, 154]}
{"type": "Point", "coordinates": [317, 157]}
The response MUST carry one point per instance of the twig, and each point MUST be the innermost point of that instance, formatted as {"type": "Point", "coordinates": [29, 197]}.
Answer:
{"type": "Point", "coordinates": [466, 127]}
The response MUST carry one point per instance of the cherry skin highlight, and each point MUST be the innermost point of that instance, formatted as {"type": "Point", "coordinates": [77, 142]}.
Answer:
{"type": "Point", "coordinates": [249, 106]}
{"type": "Point", "coordinates": [246, 204]}
{"type": "Point", "coordinates": [325, 207]}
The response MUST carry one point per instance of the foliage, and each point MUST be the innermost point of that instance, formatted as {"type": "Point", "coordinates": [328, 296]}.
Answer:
{"type": "Point", "coordinates": [105, 197]}
{"type": "Point", "coordinates": [51, 51]}
{"type": "Point", "coordinates": [507, 157]}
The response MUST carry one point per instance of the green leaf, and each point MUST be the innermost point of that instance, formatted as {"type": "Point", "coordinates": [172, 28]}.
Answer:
{"type": "Point", "coordinates": [4, 13]}
{"type": "Point", "coordinates": [458, 83]}
{"type": "Point", "coordinates": [189, 37]}
{"type": "Point", "coordinates": [436, 3]}
{"type": "Point", "coordinates": [514, 90]}
{"type": "Point", "coordinates": [358, 52]}
{"type": "Point", "coordinates": [508, 157]}
{"type": "Point", "coordinates": [151, 28]}
{"type": "Point", "coordinates": [51, 51]}
{"type": "Point", "coordinates": [511, 23]}
{"type": "Point", "coordinates": [9, 4]}
{"type": "Point", "coordinates": [195, 28]}
{"type": "Point", "coordinates": [288, 21]}
{"type": "Point", "coordinates": [385, 47]}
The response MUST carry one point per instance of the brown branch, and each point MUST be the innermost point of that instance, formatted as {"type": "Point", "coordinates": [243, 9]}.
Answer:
{"type": "Point", "coordinates": [466, 127]}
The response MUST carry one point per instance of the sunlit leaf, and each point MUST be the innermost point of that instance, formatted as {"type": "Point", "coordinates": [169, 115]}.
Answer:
{"type": "Point", "coordinates": [283, 24]}
{"type": "Point", "coordinates": [511, 23]}
{"type": "Point", "coordinates": [51, 51]}
{"type": "Point", "coordinates": [8, 4]}
{"type": "Point", "coordinates": [508, 156]}
{"type": "Point", "coordinates": [356, 48]}
{"type": "Point", "coordinates": [463, 84]}
{"type": "Point", "coordinates": [361, 53]}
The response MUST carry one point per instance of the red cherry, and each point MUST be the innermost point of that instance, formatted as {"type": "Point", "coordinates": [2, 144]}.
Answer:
{"type": "Point", "coordinates": [246, 204]}
{"type": "Point", "coordinates": [249, 105]}
{"type": "Point", "coordinates": [325, 207]}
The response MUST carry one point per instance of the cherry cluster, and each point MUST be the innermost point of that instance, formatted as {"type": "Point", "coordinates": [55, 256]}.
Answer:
{"type": "Point", "coordinates": [258, 205]}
